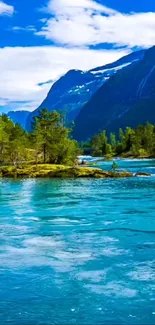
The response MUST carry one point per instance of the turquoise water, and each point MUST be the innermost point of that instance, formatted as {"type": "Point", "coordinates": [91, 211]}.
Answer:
{"type": "Point", "coordinates": [78, 251]}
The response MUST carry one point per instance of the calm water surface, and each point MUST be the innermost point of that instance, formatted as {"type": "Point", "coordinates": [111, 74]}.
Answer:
{"type": "Point", "coordinates": [78, 251]}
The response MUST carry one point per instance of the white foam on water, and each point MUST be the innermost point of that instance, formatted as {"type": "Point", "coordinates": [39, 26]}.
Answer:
{"type": "Point", "coordinates": [137, 159]}
{"type": "Point", "coordinates": [143, 176]}
{"type": "Point", "coordinates": [42, 242]}
{"type": "Point", "coordinates": [113, 251]}
{"type": "Point", "coordinates": [115, 289]}
{"type": "Point", "coordinates": [110, 239]}
{"type": "Point", "coordinates": [88, 158]}
{"type": "Point", "coordinates": [64, 255]}
{"type": "Point", "coordinates": [33, 218]}
{"type": "Point", "coordinates": [93, 276]}
{"type": "Point", "coordinates": [142, 273]}
{"type": "Point", "coordinates": [106, 223]}
{"type": "Point", "coordinates": [11, 250]}
{"type": "Point", "coordinates": [64, 220]}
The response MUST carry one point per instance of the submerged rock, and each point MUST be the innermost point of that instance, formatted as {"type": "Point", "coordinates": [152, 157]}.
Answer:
{"type": "Point", "coordinates": [142, 174]}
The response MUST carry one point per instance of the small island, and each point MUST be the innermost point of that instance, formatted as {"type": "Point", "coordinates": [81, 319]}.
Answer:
{"type": "Point", "coordinates": [59, 171]}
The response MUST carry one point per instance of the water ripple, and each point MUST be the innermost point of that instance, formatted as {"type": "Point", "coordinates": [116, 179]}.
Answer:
{"type": "Point", "coordinates": [78, 251]}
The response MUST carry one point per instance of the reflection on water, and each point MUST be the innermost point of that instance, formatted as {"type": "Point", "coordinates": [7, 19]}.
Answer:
{"type": "Point", "coordinates": [78, 251]}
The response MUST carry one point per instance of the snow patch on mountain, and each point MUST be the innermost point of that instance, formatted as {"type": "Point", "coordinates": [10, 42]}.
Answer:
{"type": "Point", "coordinates": [112, 69]}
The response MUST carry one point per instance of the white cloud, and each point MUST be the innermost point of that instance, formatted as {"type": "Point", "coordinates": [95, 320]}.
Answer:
{"type": "Point", "coordinates": [69, 7]}
{"type": "Point", "coordinates": [85, 22]}
{"type": "Point", "coordinates": [29, 28]}
{"type": "Point", "coordinates": [22, 69]}
{"type": "Point", "coordinates": [6, 9]}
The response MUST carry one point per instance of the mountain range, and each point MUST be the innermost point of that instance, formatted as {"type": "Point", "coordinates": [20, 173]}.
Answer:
{"type": "Point", "coordinates": [127, 99]}
{"type": "Point", "coordinates": [19, 117]}
{"type": "Point", "coordinates": [75, 89]}
{"type": "Point", "coordinates": [115, 95]}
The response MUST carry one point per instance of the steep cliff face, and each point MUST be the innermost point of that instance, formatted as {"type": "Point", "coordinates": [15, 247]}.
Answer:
{"type": "Point", "coordinates": [127, 99]}
{"type": "Point", "coordinates": [72, 91]}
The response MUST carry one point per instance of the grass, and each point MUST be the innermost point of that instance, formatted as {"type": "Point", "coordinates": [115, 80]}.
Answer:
{"type": "Point", "coordinates": [61, 171]}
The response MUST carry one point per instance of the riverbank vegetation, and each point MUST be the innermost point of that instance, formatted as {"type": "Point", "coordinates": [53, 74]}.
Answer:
{"type": "Point", "coordinates": [48, 142]}
{"type": "Point", "coordinates": [139, 142]}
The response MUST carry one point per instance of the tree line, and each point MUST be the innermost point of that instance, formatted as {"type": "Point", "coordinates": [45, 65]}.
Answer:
{"type": "Point", "coordinates": [48, 142]}
{"type": "Point", "coordinates": [139, 142]}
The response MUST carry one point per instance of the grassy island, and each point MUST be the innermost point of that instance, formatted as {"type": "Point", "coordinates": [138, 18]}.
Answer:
{"type": "Point", "coordinates": [58, 171]}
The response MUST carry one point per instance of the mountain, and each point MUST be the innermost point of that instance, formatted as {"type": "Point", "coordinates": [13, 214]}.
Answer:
{"type": "Point", "coordinates": [73, 90]}
{"type": "Point", "coordinates": [122, 62]}
{"type": "Point", "coordinates": [127, 99]}
{"type": "Point", "coordinates": [19, 117]}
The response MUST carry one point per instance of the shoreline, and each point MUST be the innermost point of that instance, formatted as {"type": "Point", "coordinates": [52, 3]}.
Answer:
{"type": "Point", "coordinates": [59, 171]}
{"type": "Point", "coordinates": [62, 171]}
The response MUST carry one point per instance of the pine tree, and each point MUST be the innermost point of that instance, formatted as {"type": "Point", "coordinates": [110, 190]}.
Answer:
{"type": "Point", "coordinates": [52, 140]}
{"type": "Point", "coordinates": [113, 141]}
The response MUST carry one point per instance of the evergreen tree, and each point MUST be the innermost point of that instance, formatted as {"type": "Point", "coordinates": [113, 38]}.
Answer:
{"type": "Point", "coordinates": [50, 141]}
{"type": "Point", "coordinates": [17, 151]}
{"type": "Point", "coordinates": [138, 143]}
{"type": "Point", "coordinates": [51, 138]}
{"type": "Point", "coordinates": [113, 141]}
{"type": "Point", "coordinates": [148, 138]}
{"type": "Point", "coordinates": [4, 139]}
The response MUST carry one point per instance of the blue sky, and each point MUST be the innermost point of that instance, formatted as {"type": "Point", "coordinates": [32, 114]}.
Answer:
{"type": "Point", "coordinates": [41, 39]}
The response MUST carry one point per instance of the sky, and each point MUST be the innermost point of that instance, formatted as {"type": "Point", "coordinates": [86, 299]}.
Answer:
{"type": "Point", "coordinates": [40, 40]}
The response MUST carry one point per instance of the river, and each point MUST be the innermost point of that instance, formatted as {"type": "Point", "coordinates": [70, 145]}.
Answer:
{"type": "Point", "coordinates": [78, 251]}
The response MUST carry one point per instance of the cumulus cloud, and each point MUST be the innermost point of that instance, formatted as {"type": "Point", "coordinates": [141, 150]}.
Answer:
{"type": "Point", "coordinates": [69, 7]}
{"type": "Point", "coordinates": [6, 9]}
{"type": "Point", "coordinates": [85, 22]}
{"type": "Point", "coordinates": [26, 71]}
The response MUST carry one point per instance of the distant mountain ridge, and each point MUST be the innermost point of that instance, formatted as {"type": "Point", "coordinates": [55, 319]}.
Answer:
{"type": "Point", "coordinates": [108, 97]}
{"type": "Point", "coordinates": [127, 99]}
{"type": "Point", "coordinates": [19, 117]}
{"type": "Point", "coordinates": [125, 60]}
{"type": "Point", "coordinates": [73, 90]}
